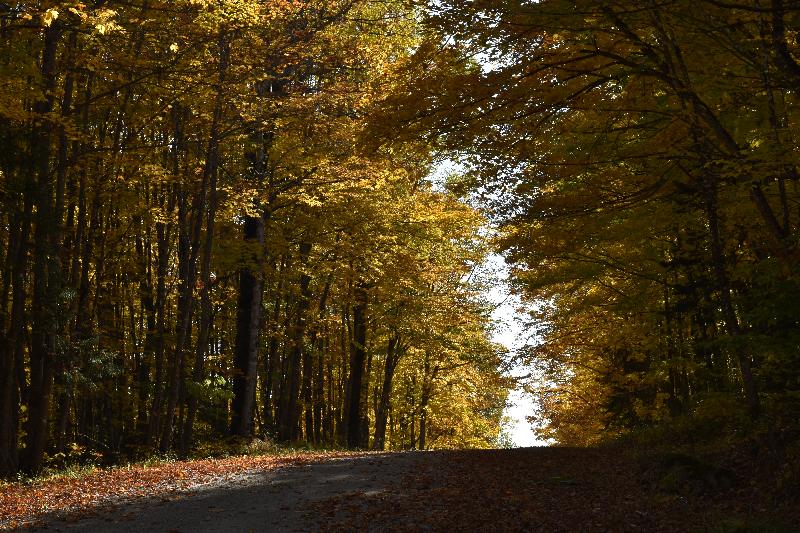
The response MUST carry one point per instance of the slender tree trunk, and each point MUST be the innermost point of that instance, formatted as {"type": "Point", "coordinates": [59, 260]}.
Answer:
{"type": "Point", "coordinates": [428, 377]}
{"type": "Point", "coordinates": [726, 302]}
{"type": "Point", "coordinates": [187, 261]}
{"type": "Point", "coordinates": [268, 379]}
{"type": "Point", "coordinates": [147, 336]}
{"type": "Point", "coordinates": [11, 346]}
{"type": "Point", "coordinates": [319, 390]}
{"type": "Point", "coordinates": [210, 175]}
{"type": "Point", "coordinates": [162, 237]}
{"type": "Point", "coordinates": [328, 424]}
{"type": "Point", "coordinates": [290, 419]}
{"type": "Point", "coordinates": [423, 428]}
{"type": "Point", "coordinates": [171, 386]}
{"type": "Point", "coordinates": [357, 360]}
{"type": "Point", "coordinates": [392, 357]}
{"type": "Point", "coordinates": [313, 373]}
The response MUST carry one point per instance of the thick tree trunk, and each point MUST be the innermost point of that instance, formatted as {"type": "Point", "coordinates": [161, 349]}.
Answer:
{"type": "Point", "coordinates": [248, 320]}
{"type": "Point", "coordinates": [46, 271]}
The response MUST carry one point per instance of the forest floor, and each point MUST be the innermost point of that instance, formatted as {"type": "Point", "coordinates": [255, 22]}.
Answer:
{"type": "Point", "coordinates": [530, 489]}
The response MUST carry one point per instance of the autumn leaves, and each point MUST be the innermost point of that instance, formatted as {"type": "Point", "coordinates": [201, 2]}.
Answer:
{"type": "Point", "coordinates": [200, 242]}
{"type": "Point", "coordinates": [641, 160]}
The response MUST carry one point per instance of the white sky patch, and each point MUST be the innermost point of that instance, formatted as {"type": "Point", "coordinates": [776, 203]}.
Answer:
{"type": "Point", "coordinates": [512, 335]}
{"type": "Point", "coordinates": [509, 331]}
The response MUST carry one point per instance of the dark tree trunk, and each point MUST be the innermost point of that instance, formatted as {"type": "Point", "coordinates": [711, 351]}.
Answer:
{"type": "Point", "coordinates": [268, 377]}
{"type": "Point", "coordinates": [319, 390]}
{"type": "Point", "coordinates": [210, 176]}
{"type": "Point", "coordinates": [168, 199]}
{"type": "Point", "coordinates": [328, 424]}
{"type": "Point", "coordinates": [290, 417]}
{"type": "Point", "coordinates": [428, 377]}
{"type": "Point", "coordinates": [154, 421]}
{"type": "Point", "coordinates": [189, 250]}
{"type": "Point", "coordinates": [182, 324]}
{"type": "Point", "coordinates": [189, 227]}
{"type": "Point", "coordinates": [357, 360]}
{"type": "Point", "coordinates": [248, 320]}
{"type": "Point", "coordinates": [11, 346]}
{"type": "Point", "coordinates": [392, 357]}
{"type": "Point", "coordinates": [148, 308]}
{"type": "Point", "coordinates": [314, 375]}
{"type": "Point", "coordinates": [46, 263]}
{"type": "Point", "coordinates": [728, 312]}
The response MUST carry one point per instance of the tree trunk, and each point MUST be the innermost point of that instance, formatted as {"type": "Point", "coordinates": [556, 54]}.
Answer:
{"type": "Point", "coordinates": [268, 377]}
{"type": "Point", "coordinates": [357, 360]}
{"type": "Point", "coordinates": [726, 303]}
{"type": "Point", "coordinates": [11, 346]}
{"type": "Point", "coordinates": [290, 417]}
{"type": "Point", "coordinates": [163, 232]}
{"type": "Point", "coordinates": [313, 366]}
{"type": "Point", "coordinates": [210, 176]}
{"type": "Point", "coordinates": [182, 324]}
{"type": "Point", "coordinates": [248, 320]}
{"type": "Point", "coordinates": [148, 308]}
{"type": "Point", "coordinates": [392, 357]}
{"type": "Point", "coordinates": [46, 271]}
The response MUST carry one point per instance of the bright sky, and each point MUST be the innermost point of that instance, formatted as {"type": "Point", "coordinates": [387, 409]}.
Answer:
{"type": "Point", "coordinates": [511, 334]}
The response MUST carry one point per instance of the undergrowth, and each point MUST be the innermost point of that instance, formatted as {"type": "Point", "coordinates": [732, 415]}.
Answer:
{"type": "Point", "coordinates": [746, 470]}
{"type": "Point", "coordinates": [75, 466]}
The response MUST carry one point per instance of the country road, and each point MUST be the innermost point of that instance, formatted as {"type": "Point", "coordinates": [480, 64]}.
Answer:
{"type": "Point", "coordinates": [532, 489]}
{"type": "Point", "coordinates": [280, 500]}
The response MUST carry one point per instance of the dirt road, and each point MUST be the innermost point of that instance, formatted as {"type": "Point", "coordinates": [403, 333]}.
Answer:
{"type": "Point", "coordinates": [283, 500]}
{"type": "Point", "coordinates": [544, 489]}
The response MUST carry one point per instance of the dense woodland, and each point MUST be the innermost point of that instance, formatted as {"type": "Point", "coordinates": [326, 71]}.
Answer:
{"type": "Point", "coordinates": [196, 242]}
{"type": "Point", "coordinates": [641, 160]}
{"type": "Point", "coordinates": [216, 220]}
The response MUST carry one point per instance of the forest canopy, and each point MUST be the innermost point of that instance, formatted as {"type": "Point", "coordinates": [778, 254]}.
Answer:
{"type": "Point", "coordinates": [640, 159]}
{"type": "Point", "coordinates": [216, 221]}
{"type": "Point", "coordinates": [197, 243]}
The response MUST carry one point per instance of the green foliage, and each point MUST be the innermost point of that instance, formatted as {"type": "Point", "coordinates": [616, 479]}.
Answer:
{"type": "Point", "coordinates": [213, 390]}
{"type": "Point", "coordinates": [75, 460]}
